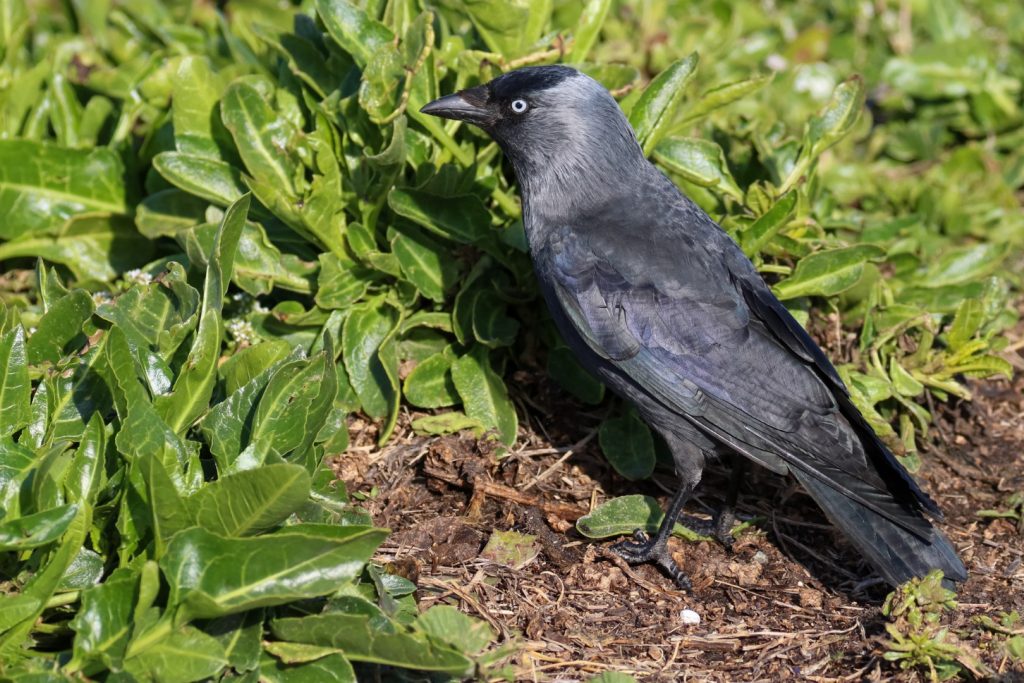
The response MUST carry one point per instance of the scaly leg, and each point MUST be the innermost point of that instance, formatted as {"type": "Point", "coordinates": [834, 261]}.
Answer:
{"type": "Point", "coordinates": [720, 526]}
{"type": "Point", "coordinates": [645, 549]}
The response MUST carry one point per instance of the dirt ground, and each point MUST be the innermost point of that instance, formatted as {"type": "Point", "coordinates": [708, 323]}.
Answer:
{"type": "Point", "coordinates": [792, 601]}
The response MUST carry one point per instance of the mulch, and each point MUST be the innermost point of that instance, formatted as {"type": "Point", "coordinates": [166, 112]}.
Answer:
{"type": "Point", "coordinates": [791, 600]}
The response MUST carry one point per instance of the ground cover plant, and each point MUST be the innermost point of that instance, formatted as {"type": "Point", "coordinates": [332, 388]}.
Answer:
{"type": "Point", "coordinates": [228, 235]}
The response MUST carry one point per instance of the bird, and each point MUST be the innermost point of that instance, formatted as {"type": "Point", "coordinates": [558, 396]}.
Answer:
{"type": "Point", "coordinates": [662, 305]}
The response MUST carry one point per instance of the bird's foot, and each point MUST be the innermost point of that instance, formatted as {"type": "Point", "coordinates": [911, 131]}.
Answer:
{"type": "Point", "coordinates": [718, 528]}
{"type": "Point", "coordinates": [644, 549]}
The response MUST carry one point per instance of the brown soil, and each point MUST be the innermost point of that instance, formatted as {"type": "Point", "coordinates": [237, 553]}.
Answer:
{"type": "Point", "coordinates": [791, 601]}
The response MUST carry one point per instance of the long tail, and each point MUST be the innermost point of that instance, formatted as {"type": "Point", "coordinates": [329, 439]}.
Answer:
{"type": "Point", "coordinates": [896, 553]}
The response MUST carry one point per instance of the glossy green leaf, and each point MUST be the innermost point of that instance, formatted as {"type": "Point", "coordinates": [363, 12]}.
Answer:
{"type": "Point", "coordinates": [828, 272]}
{"type": "Point", "coordinates": [357, 33]}
{"type": "Point", "coordinates": [699, 161]}
{"type": "Point", "coordinates": [624, 515]}
{"type": "Point", "coordinates": [262, 135]}
{"type": "Point", "coordinates": [194, 386]}
{"type": "Point", "coordinates": [430, 383]}
{"type": "Point", "coordinates": [59, 327]}
{"type": "Point", "coordinates": [215, 181]}
{"type": "Point", "coordinates": [364, 638]}
{"type": "Point", "coordinates": [91, 246]}
{"type": "Point", "coordinates": [484, 395]}
{"type": "Point", "coordinates": [653, 113]}
{"type": "Point", "coordinates": [212, 576]}
{"type": "Point", "coordinates": [103, 624]}
{"type": "Point", "coordinates": [295, 405]}
{"type": "Point", "coordinates": [15, 390]}
{"type": "Point", "coordinates": [185, 655]}
{"type": "Point", "coordinates": [248, 502]}
{"type": "Point", "coordinates": [462, 218]}
{"type": "Point", "coordinates": [425, 263]}
{"type": "Point", "coordinates": [365, 331]}
{"type": "Point", "coordinates": [768, 225]}
{"type": "Point", "coordinates": [37, 529]}
{"type": "Point", "coordinates": [587, 29]}
{"type": "Point", "coordinates": [42, 185]}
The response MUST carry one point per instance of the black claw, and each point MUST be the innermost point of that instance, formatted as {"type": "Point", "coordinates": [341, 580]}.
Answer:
{"type": "Point", "coordinates": [651, 550]}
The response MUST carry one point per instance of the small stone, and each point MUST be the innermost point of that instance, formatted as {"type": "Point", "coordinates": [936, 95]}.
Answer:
{"type": "Point", "coordinates": [760, 557]}
{"type": "Point", "coordinates": [689, 617]}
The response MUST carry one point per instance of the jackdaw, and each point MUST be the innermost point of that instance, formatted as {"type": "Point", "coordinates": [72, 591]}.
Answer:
{"type": "Point", "coordinates": [657, 301]}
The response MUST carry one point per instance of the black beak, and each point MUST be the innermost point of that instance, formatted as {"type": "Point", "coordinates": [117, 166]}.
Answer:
{"type": "Point", "coordinates": [462, 106]}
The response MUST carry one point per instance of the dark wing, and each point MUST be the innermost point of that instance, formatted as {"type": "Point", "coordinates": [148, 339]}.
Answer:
{"type": "Point", "coordinates": [678, 310]}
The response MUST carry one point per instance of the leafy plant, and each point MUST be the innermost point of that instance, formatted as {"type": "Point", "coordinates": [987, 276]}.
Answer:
{"type": "Point", "coordinates": [227, 228]}
{"type": "Point", "coordinates": [918, 638]}
{"type": "Point", "coordinates": [129, 558]}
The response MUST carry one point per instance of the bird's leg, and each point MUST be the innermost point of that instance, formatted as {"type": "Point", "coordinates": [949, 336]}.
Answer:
{"type": "Point", "coordinates": [645, 549]}
{"type": "Point", "coordinates": [720, 526]}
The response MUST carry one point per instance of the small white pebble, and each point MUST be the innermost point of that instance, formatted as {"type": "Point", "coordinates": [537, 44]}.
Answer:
{"type": "Point", "coordinates": [760, 557]}
{"type": "Point", "coordinates": [689, 617]}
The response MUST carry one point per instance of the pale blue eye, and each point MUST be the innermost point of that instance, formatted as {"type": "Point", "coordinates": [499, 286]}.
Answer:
{"type": "Point", "coordinates": [519, 106]}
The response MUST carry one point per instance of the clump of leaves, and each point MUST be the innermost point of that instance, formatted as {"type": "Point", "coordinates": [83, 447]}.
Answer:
{"type": "Point", "coordinates": [1009, 633]}
{"type": "Point", "coordinates": [1012, 510]}
{"type": "Point", "coordinates": [919, 640]}
{"type": "Point", "coordinates": [137, 544]}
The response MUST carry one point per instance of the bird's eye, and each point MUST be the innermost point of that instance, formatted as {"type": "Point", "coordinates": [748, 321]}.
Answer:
{"type": "Point", "coordinates": [519, 106]}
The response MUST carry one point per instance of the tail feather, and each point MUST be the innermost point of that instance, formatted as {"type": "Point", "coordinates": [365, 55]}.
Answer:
{"type": "Point", "coordinates": [896, 553]}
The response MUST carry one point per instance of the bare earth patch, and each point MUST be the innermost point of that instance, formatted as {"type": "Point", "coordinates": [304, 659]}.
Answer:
{"type": "Point", "coordinates": [792, 599]}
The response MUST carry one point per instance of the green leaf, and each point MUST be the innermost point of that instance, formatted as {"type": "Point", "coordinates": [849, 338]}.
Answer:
{"type": "Point", "coordinates": [430, 384]}
{"type": "Point", "coordinates": [720, 96]}
{"type": "Point", "coordinates": [15, 390]}
{"type": "Point", "coordinates": [168, 513]}
{"type": "Point", "coordinates": [461, 218]}
{"type": "Point", "coordinates": [59, 327]}
{"type": "Point", "coordinates": [43, 185]}
{"type": "Point", "coordinates": [508, 27]}
{"type": "Point", "coordinates": [341, 282]}
{"type": "Point", "coordinates": [215, 181]}
{"type": "Point", "coordinates": [447, 423]}
{"type": "Point", "coordinates": [766, 227]}
{"type": "Point", "coordinates": [628, 444]}
{"type": "Point", "coordinates": [263, 137]}
{"type": "Point", "coordinates": [357, 33]}
{"type": "Point", "coordinates": [36, 530]}
{"type": "Point", "coordinates": [251, 501]}
{"type": "Point", "coordinates": [364, 333]}
{"type": "Point", "coordinates": [239, 635]}
{"type": "Point", "coordinates": [103, 623]}
{"type": "Point", "coordinates": [829, 272]}
{"type": "Point", "coordinates": [449, 625]}
{"type": "Point", "coordinates": [653, 113]}
{"type": "Point", "coordinates": [587, 29]}
{"type": "Point", "coordinates": [838, 117]}
{"type": "Point", "coordinates": [211, 576]}
{"type": "Point", "coordinates": [701, 162]}
{"type": "Point", "coordinates": [329, 668]}
{"type": "Point", "coordinates": [195, 107]}
{"type": "Point", "coordinates": [92, 246]}
{"type": "Point", "coordinates": [185, 655]}
{"type": "Point", "coordinates": [484, 395]}
{"type": "Point", "coordinates": [193, 387]}
{"type": "Point", "coordinates": [369, 638]}
{"type": "Point", "coordinates": [425, 263]}
{"type": "Point", "coordinates": [295, 405]}
{"type": "Point", "coordinates": [624, 515]}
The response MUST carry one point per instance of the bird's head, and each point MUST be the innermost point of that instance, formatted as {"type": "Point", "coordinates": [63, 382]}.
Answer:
{"type": "Point", "coordinates": [555, 124]}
